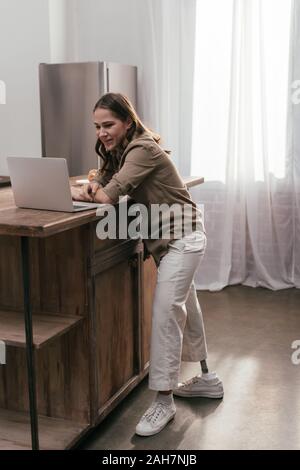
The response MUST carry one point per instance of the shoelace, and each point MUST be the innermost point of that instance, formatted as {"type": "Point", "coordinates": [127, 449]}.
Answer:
{"type": "Point", "coordinates": [153, 413]}
{"type": "Point", "coordinates": [191, 381]}
{"type": "Point", "coordinates": [198, 378]}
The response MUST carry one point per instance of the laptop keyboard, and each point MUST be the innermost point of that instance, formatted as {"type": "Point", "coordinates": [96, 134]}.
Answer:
{"type": "Point", "coordinates": [81, 207]}
{"type": "Point", "coordinates": [86, 205]}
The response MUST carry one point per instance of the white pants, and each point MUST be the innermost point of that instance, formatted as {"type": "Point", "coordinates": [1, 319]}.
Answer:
{"type": "Point", "coordinates": [177, 323]}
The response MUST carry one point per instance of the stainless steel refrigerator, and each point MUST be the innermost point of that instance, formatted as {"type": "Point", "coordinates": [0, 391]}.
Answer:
{"type": "Point", "coordinates": [68, 93]}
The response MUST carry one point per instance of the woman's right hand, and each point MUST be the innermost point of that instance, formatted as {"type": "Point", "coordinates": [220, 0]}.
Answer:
{"type": "Point", "coordinates": [92, 174]}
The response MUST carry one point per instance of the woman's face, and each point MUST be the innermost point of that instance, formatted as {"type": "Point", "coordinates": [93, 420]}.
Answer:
{"type": "Point", "coordinates": [110, 130]}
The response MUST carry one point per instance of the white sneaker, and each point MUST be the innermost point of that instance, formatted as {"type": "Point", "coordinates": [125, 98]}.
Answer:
{"type": "Point", "coordinates": [207, 386]}
{"type": "Point", "coordinates": [155, 418]}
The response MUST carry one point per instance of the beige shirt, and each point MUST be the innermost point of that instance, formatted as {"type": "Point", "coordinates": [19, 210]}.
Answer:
{"type": "Point", "coordinates": [147, 174]}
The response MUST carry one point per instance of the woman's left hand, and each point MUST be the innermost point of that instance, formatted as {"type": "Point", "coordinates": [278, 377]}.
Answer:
{"type": "Point", "coordinates": [80, 194]}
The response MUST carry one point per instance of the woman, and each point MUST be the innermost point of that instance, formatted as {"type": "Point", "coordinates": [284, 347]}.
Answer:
{"type": "Point", "coordinates": [134, 164]}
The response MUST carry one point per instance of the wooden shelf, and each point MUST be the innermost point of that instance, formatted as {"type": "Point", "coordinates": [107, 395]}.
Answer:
{"type": "Point", "coordinates": [4, 181]}
{"type": "Point", "coordinates": [45, 328]}
{"type": "Point", "coordinates": [53, 433]}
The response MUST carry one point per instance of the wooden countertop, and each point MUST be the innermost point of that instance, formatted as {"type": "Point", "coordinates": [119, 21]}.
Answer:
{"type": "Point", "coordinates": [41, 223]}
{"type": "Point", "coordinates": [191, 181]}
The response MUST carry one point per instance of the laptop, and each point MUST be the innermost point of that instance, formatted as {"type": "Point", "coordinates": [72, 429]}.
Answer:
{"type": "Point", "coordinates": [43, 183]}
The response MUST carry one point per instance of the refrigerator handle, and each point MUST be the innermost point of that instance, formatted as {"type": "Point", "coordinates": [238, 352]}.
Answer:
{"type": "Point", "coordinates": [107, 79]}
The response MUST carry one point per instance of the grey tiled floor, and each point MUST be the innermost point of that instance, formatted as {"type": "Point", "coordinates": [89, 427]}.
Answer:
{"type": "Point", "coordinates": [249, 332]}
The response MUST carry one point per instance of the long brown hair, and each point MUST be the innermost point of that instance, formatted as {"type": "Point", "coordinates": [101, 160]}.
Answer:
{"type": "Point", "coordinates": [122, 109]}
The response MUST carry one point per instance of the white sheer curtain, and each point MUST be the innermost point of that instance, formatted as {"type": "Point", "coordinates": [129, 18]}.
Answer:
{"type": "Point", "coordinates": [167, 29]}
{"type": "Point", "coordinates": [239, 143]}
{"type": "Point", "coordinates": [293, 140]}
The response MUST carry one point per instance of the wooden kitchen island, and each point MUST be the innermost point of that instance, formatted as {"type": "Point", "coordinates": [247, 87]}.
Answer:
{"type": "Point", "coordinates": [75, 319]}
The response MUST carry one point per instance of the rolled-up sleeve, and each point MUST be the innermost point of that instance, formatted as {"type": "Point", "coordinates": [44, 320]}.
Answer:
{"type": "Point", "coordinates": [138, 165]}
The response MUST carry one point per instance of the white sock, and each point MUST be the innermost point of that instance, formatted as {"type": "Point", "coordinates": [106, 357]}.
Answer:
{"type": "Point", "coordinates": [166, 399]}
{"type": "Point", "coordinates": [209, 375]}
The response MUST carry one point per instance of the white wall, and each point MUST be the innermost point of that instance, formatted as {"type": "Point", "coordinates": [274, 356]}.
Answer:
{"type": "Point", "coordinates": [125, 31]}
{"type": "Point", "coordinates": [103, 30]}
{"type": "Point", "coordinates": [116, 31]}
{"type": "Point", "coordinates": [157, 36]}
{"type": "Point", "coordinates": [36, 31]}
{"type": "Point", "coordinates": [24, 42]}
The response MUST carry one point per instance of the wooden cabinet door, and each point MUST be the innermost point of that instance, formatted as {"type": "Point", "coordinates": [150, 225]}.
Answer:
{"type": "Point", "coordinates": [117, 328]}
{"type": "Point", "coordinates": [149, 274]}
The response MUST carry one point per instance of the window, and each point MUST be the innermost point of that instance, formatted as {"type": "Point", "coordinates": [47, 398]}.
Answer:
{"type": "Point", "coordinates": [234, 75]}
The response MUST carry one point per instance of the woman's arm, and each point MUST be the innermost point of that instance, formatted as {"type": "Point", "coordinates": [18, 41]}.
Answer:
{"type": "Point", "coordinates": [138, 165]}
{"type": "Point", "coordinates": [86, 195]}
{"type": "Point", "coordinates": [97, 180]}
{"type": "Point", "coordinates": [102, 198]}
